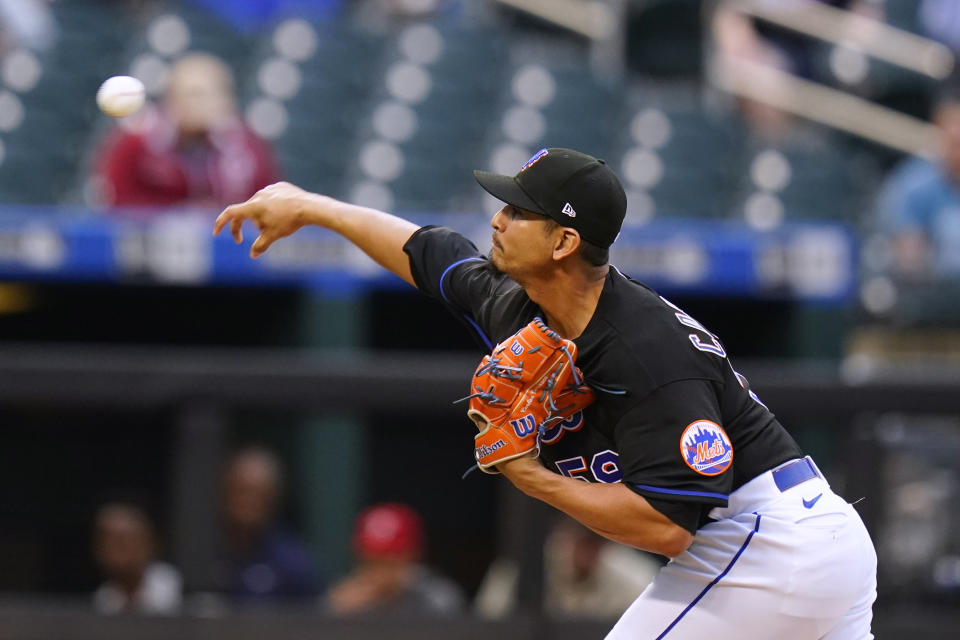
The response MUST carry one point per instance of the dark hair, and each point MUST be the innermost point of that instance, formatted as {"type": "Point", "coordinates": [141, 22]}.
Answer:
{"type": "Point", "coordinates": [131, 498]}
{"type": "Point", "coordinates": [592, 254]}
{"type": "Point", "coordinates": [130, 508]}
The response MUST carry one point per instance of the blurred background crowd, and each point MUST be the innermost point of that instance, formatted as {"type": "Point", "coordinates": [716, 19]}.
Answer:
{"type": "Point", "coordinates": [190, 434]}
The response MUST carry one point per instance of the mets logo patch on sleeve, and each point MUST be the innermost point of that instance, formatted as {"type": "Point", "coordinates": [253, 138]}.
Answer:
{"type": "Point", "coordinates": [706, 448]}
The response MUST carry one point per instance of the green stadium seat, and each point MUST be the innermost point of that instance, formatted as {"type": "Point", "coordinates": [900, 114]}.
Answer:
{"type": "Point", "coordinates": [312, 152]}
{"type": "Point", "coordinates": [42, 155]}
{"type": "Point", "coordinates": [451, 119]}
{"type": "Point", "coordinates": [664, 38]}
{"type": "Point", "coordinates": [824, 183]}
{"type": "Point", "coordinates": [423, 189]}
{"type": "Point", "coordinates": [206, 32]}
{"type": "Point", "coordinates": [33, 176]}
{"type": "Point", "coordinates": [698, 153]}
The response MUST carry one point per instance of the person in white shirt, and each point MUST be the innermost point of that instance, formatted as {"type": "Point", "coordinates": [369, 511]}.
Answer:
{"type": "Point", "coordinates": [125, 549]}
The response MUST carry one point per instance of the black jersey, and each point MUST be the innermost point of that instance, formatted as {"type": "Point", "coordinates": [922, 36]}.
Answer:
{"type": "Point", "coordinates": [672, 419]}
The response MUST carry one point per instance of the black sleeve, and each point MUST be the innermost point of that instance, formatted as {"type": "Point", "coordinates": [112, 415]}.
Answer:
{"type": "Point", "coordinates": [688, 515]}
{"type": "Point", "coordinates": [434, 252]}
{"type": "Point", "coordinates": [673, 448]}
{"type": "Point", "coordinates": [448, 267]}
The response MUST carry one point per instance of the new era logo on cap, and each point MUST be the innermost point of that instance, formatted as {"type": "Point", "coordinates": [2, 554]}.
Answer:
{"type": "Point", "coordinates": [568, 209]}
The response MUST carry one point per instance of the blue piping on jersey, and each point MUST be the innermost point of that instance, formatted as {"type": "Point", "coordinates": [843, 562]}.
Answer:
{"type": "Point", "coordinates": [743, 547]}
{"type": "Point", "coordinates": [447, 270]}
{"type": "Point", "coordinates": [681, 492]}
{"type": "Point", "coordinates": [443, 294]}
{"type": "Point", "coordinates": [477, 328]}
{"type": "Point", "coordinates": [605, 389]}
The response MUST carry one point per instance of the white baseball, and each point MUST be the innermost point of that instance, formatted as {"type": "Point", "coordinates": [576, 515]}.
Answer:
{"type": "Point", "coordinates": [120, 96]}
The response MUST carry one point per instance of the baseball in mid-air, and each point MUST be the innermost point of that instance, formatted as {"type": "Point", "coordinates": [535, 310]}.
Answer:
{"type": "Point", "coordinates": [120, 96]}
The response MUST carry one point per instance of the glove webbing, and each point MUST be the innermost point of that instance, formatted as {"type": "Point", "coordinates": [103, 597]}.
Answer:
{"type": "Point", "coordinates": [494, 368]}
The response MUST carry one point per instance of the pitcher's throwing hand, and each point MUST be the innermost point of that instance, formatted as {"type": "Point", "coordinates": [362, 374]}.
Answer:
{"type": "Point", "coordinates": [278, 211]}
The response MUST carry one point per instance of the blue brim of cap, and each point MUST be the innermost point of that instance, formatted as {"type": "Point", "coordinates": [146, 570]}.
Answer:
{"type": "Point", "coordinates": [505, 188]}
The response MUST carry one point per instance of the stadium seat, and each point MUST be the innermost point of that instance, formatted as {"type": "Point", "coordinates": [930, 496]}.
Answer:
{"type": "Point", "coordinates": [343, 56]}
{"type": "Point", "coordinates": [569, 106]}
{"type": "Point", "coordinates": [312, 151]}
{"type": "Point", "coordinates": [33, 176]}
{"type": "Point", "coordinates": [685, 158]}
{"type": "Point", "coordinates": [443, 121]}
{"type": "Point", "coordinates": [427, 186]}
{"type": "Point", "coordinates": [43, 152]}
{"type": "Point", "coordinates": [821, 186]}
{"type": "Point", "coordinates": [664, 38]}
{"type": "Point", "coordinates": [693, 195]}
{"type": "Point", "coordinates": [812, 183]}
{"type": "Point", "coordinates": [173, 29]}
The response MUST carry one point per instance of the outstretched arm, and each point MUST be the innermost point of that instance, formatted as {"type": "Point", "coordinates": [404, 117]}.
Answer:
{"type": "Point", "coordinates": [282, 208]}
{"type": "Point", "coordinates": [611, 510]}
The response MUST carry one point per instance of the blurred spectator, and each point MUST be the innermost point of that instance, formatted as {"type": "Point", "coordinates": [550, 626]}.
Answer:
{"type": "Point", "coordinates": [940, 19]}
{"type": "Point", "coordinates": [399, 9]}
{"type": "Point", "coordinates": [264, 562]}
{"type": "Point", "coordinates": [27, 23]}
{"type": "Point", "coordinates": [919, 204]}
{"type": "Point", "coordinates": [736, 35]}
{"type": "Point", "coordinates": [125, 549]}
{"type": "Point", "coordinates": [194, 150]}
{"type": "Point", "coordinates": [382, 15]}
{"type": "Point", "coordinates": [585, 576]}
{"type": "Point", "coordinates": [740, 36]}
{"type": "Point", "coordinates": [768, 43]}
{"type": "Point", "coordinates": [589, 576]}
{"type": "Point", "coordinates": [389, 577]}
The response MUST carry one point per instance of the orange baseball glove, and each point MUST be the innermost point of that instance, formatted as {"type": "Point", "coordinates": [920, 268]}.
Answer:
{"type": "Point", "coordinates": [526, 384]}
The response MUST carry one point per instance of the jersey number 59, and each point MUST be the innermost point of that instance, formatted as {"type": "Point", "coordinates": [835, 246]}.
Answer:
{"type": "Point", "coordinates": [604, 466]}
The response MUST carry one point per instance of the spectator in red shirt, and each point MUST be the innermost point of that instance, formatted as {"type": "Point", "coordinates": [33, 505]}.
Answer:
{"type": "Point", "coordinates": [389, 576]}
{"type": "Point", "coordinates": [193, 150]}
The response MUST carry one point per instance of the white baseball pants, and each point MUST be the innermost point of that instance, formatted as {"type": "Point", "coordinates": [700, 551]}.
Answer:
{"type": "Point", "coordinates": [777, 564]}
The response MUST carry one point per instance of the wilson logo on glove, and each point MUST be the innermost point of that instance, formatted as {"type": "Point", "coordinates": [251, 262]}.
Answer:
{"type": "Point", "coordinates": [524, 426]}
{"type": "Point", "coordinates": [514, 400]}
{"type": "Point", "coordinates": [484, 450]}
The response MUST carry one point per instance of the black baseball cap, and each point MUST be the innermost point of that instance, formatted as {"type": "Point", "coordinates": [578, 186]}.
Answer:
{"type": "Point", "coordinates": [576, 190]}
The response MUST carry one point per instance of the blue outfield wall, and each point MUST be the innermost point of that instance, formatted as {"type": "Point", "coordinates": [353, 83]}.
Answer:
{"type": "Point", "coordinates": [806, 262]}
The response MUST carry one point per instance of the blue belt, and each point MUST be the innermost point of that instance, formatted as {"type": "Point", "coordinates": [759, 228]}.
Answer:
{"type": "Point", "coordinates": [794, 473]}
